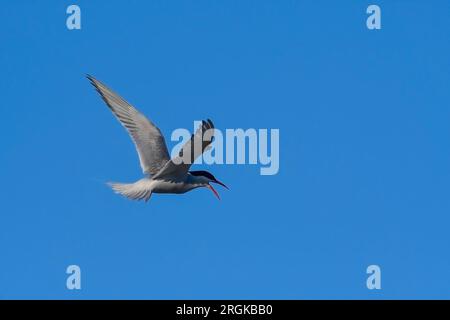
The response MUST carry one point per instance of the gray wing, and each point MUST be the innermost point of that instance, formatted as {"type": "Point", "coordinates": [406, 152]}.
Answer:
{"type": "Point", "coordinates": [149, 141]}
{"type": "Point", "coordinates": [200, 141]}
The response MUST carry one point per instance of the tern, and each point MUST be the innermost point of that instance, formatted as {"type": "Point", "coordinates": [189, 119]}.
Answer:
{"type": "Point", "coordinates": [162, 174]}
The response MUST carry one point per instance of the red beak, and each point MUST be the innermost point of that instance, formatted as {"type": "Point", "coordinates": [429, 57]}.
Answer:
{"type": "Point", "coordinates": [214, 190]}
{"type": "Point", "coordinates": [210, 187]}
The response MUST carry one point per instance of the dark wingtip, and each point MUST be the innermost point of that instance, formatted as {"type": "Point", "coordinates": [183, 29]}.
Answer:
{"type": "Point", "coordinates": [91, 79]}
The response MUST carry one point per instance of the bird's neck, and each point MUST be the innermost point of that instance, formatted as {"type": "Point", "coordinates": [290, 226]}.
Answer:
{"type": "Point", "coordinates": [197, 180]}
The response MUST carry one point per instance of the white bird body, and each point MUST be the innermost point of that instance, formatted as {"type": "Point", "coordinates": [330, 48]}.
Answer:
{"type": "Point", "coordinates": [163, 175]}
{"type": "Point", "coordinates": [143, 188]}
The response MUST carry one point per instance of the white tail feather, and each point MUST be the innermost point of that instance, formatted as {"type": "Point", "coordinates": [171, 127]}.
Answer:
{"type": "Point", "coordinates": [140, 190]}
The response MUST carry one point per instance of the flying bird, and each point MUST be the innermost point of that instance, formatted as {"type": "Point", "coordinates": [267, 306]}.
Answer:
{"type": "Point", "coordinates": [162, 174]}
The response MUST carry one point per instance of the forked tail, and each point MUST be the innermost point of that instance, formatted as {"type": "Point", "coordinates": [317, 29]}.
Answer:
{"type": "Point", "coordinates": [140, 190]}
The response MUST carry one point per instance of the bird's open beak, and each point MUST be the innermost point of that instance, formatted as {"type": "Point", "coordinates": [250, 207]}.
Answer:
{"type": "Point", "coordinates": [222, 184]}
{"type": "Point", "coordinates": [210, 187]}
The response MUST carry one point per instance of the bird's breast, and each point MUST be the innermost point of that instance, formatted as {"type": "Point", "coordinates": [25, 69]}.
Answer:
{"type": "Point", "coordinates": [174, 186]}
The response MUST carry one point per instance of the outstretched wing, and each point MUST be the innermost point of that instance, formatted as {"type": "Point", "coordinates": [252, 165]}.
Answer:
{"type": "Point", "coordinates": [199, 143]}
{"type": "Point", "coordinates": [149, 141]}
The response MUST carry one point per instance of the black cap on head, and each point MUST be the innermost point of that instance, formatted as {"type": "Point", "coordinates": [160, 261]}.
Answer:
{"type": "Point", "coordinates": [204, 174]}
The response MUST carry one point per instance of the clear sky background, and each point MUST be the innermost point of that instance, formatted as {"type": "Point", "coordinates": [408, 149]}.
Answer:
{"type": "Point", "coordinates": [364, 119]}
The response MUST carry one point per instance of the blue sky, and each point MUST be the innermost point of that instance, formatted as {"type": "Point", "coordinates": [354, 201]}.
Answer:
{"type": "Point", "coordinates": [364, 149]}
